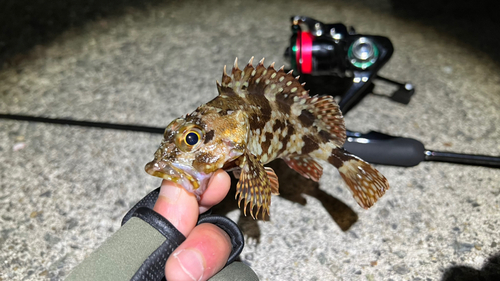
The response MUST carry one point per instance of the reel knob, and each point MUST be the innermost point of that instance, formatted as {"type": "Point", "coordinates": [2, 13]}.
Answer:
{"type": "Point", "coordinates": [363, 53]}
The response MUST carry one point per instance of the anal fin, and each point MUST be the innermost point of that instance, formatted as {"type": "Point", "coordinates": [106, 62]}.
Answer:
{"type": "Point", "coordinates": [305, 166]}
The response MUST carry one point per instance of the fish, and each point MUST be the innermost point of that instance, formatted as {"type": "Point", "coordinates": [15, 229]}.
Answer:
{"type": "Point", "coordinates": [261, 114]}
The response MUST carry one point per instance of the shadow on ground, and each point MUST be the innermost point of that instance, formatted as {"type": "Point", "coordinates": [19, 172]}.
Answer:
{"type": "Point", "coordinates": [489, 272]}
{"type": "Point", "coordinates": [292, 187]}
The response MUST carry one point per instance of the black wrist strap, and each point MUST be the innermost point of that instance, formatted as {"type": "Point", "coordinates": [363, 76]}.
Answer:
{"type": "Point", "coordinates": [154, 265]}
{"type": "Point", "coordinates": [141, 247]}
{"type": "Point", "coordinates": [153, 268]}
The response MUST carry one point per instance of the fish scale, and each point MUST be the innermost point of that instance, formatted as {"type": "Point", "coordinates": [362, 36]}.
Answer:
{"type": "Point", "coordinates": [259, 115]}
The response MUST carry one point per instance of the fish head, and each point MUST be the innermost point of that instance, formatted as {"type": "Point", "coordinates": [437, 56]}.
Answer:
{"type": "Point", "coordinates": [196, 146]}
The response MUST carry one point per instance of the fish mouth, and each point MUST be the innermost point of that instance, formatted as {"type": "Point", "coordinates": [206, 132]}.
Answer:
{"type": "Point", "coordinates": [192, 180]}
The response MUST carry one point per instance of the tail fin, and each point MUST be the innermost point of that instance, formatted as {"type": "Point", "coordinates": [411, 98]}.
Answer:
{"type": "Point", "coordinates": [365, 182]}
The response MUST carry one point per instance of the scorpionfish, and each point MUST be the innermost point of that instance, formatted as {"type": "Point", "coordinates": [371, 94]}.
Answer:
{"type": "Point", "coordinates": [259, 115]}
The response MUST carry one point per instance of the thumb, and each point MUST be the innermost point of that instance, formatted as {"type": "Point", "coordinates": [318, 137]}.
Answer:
{"type": "Point", "coordinates": [178, 206]}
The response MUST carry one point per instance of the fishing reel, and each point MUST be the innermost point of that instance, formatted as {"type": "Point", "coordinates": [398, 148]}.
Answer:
{"type": "Point", "coordinates": [333, 59]}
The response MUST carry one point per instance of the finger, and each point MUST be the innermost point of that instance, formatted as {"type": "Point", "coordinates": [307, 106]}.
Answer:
{"type": "Point", "coordinates": [178, 206]}
{"type": "Point", "coordinates": [203, 254]}
{"type": "Point", "coordinates": [217, 189]}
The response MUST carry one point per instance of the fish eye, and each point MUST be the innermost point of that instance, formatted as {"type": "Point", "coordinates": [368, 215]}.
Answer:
{"type": "Point", "coordinates": [189, 137]}
{"type": "Point", "coordinates": [192, 138]}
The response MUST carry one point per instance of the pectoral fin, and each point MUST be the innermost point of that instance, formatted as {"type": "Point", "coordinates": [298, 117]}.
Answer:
{"type": "Point", "coordinates": [255, 186]}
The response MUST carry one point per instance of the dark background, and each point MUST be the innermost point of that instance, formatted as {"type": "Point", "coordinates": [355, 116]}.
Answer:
{"type": "Point", "coordinates": [26, 24]}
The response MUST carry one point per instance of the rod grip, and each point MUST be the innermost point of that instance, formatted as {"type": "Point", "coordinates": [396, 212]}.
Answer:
{"type": "Point", "coordinates": [402, 152]}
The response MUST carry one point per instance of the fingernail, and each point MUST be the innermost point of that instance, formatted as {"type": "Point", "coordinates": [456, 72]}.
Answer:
{"type": "Point", "coordinates": [191, 263]}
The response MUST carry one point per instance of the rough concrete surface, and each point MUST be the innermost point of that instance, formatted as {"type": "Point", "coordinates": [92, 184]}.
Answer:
{"type": "Point", "coordinates": [64, 189]}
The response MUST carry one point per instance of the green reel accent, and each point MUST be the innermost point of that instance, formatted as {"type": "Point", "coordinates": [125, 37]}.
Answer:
{"type": "Point", "coordinates": [293, 52]}
{"type": "Point", "coordinates": [363, 64]}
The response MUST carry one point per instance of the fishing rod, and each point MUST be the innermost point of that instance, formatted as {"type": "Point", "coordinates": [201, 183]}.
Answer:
{"type": "Point", "coordinates": [379, 148]}
{"type": "Point", "coordinates": [373, 147]}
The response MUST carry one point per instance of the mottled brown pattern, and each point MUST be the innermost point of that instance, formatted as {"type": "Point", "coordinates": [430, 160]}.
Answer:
{"type": "Point", "coordinates": [284, 104]}
{"type": "Point", "coordinates": [221, 103]}
{"type": "Point", "coordinates": [269, 137]}
{"type": "Point", "coordinates": [278, 124]}
{"type": "Point", "coordinates": [205, 158]}
{"type": "Point", "coordinates": [262, 114]}
{"type": "Point", "coordinates": [209, 136]}
{"type": "Point", "coordinates": [286, 139]}
{"type": "Point", "coordinates": [324, 135]}
{"type": "Point", "coordinates": [306, 118]}
{"type": "Point", "coordinates": [257, 122]}
{"type": "Point", "coordinates": [310, 144]}
{"type": "Point", "coordinates": [338, 157]}
{"type": "Point", "coordinates": [265, 110]}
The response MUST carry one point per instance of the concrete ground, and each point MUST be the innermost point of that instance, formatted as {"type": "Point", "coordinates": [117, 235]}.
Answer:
{"type": "Point", "coordinates": [64, 189]}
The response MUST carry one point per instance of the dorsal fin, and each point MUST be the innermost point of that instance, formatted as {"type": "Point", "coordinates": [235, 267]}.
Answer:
{"type": "Point", "coordinates": [328, 112]}
{"type": "Point", "coordinates": [260, 80]}
{"type": "Point", "coordinates": [289, 94]}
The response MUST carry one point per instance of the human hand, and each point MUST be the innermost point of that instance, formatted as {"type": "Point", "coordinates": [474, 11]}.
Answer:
{"type": "Point", "coordinates": [207, 247]}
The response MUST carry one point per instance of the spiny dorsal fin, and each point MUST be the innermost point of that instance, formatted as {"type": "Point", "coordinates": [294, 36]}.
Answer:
{"type": "Point", "coordinates": [326, 110]}
{"type": "Point", "coordinates": [288, 93]}
{"type": "Point", "coordinates": [261, 80]}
